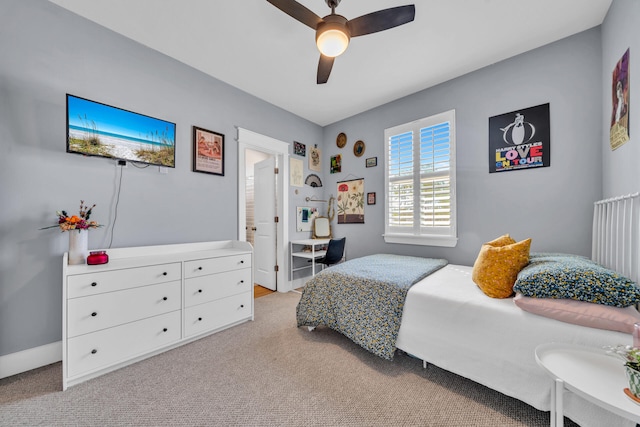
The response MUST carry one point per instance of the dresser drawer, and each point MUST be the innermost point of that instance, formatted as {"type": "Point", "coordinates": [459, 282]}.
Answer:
{"type": "Point", "coordinates": [100, 349]}
{"type": "Point", "coordinates": [95, 312]}
{"type": "Point", "coordinates": [205, 266]}
{"type": "Point", "coordinates": [216, 314]}
{"type": "Point", "coordinates": [198, 290]}
{"type": "Point", "coordinates": [106, 281]}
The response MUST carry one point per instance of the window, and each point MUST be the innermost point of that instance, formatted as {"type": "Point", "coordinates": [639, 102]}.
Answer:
{"type": "Point", "coordinates": [420, 189]}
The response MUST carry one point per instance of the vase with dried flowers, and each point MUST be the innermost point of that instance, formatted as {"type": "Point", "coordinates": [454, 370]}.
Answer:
{"type": "Point", "coordinates": [78, 227]}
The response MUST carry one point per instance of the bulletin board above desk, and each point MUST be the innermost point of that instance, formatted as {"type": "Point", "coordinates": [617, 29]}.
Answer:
{"type": "Point", "coordinates": [304, 217]}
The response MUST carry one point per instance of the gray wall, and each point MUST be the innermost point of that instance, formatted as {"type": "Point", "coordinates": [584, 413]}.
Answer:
{"type": "Point", "coordinates": [543, 203]}
{"type": "Point", "coordinates": [620, 31]}
{"type": "Point", "coordinates": [48, 52]}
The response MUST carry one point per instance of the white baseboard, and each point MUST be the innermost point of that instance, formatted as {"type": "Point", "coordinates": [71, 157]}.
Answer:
{"type": "Point", "coordinates": [22, 361]}
{"type": "Point", "coordinates": [299, 282]}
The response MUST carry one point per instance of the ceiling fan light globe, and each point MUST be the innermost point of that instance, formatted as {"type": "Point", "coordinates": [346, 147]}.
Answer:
{"type": "Point", "coordinates": [332, 42]}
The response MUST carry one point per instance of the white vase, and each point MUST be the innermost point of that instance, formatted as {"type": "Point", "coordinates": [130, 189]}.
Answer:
{"type": "Point", "coordinates": [78, 246]}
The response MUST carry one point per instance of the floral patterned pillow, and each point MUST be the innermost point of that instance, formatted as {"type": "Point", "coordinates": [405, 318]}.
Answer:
{"type": "Point", "coordinates": [574, 277]}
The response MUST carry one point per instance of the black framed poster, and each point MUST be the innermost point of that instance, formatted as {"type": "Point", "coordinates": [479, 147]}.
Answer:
{"type": "Point", "coordinates": [520, 139]}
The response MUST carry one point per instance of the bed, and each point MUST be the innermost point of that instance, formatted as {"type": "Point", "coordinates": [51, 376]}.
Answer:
{"type": "Point", "coordinates": [446, 319]}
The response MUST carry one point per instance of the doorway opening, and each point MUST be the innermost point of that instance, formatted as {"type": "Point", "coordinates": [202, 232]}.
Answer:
{"type": "Point", "coordinates": [251, 158]}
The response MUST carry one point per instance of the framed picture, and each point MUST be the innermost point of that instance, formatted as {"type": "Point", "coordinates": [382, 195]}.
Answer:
{"type": "Point", "coordinates": [358, 148]}
{"type": "Point", "coordinates": [372, 161]}
{"type": "Point", "coordinates": [619, 130]}
{"type": "Point", "coordinates": [336, 163]}
{"type": "Point", "coordinates": [315, 159]}
{"type": "Point", "coordinates": [520, 139]}
{"type": "Point", "coordinates": [371, 198]}
{"type": "Point", "coordinates": [296, 172]}
{"type": "Point", "coordinates": [299, 148]}
{"type": "Point", "coordinates": [208, 151]}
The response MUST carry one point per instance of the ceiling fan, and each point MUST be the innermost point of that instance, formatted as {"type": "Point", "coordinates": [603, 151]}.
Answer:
{"type": "Point", "coordinates": [334, 31]}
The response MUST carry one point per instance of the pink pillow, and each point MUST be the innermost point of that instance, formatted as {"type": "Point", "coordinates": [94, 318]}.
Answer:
{"type": "Point", "coordinates": [581, 313]}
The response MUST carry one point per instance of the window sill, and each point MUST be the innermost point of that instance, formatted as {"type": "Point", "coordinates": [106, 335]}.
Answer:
{"type": "Point", "coordinates": [432, 240]}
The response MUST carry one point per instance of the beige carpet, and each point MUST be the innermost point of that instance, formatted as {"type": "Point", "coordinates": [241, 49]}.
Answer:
{"type": "Point", "coordinates": [263, 373]}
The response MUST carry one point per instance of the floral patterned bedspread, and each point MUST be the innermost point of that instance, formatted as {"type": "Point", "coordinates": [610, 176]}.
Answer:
{"type": "Point", "coordinates": [363, 298]}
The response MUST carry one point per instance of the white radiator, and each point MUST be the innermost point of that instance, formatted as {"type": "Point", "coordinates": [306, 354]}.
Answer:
{"type": "Point", "coordinates": [616, 234]}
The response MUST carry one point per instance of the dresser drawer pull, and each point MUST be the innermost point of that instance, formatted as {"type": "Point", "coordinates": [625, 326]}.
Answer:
{"type": "Point", "coordinates": [164, 298]}
{"type": "Point", "coordinates": [94, 284]}
{"type": "Point", "coordinates": [241, 281]}
{"type": "Point", "coordinates": [199, 319]}
{"type": "Point", "coordinates": [94, 314]}
{"type": "Point", "coordinates": [164, 330]}
{"type": "Point", "coordinates": [199, 268]}
{"type": "Point", "coordinates": [164, 273]}
{"type": "Point", "coordinates": [94, 351]}
{"type": "Point", "coordinates": [199, 291]}
{"type": "Point", "coordinates": [241, 261]}
{"type": "Point", "coordinates": [241, 305]}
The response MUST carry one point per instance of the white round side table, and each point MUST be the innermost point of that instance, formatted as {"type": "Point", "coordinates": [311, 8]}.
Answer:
{"type": "Point", "coordinates": [588, 372]}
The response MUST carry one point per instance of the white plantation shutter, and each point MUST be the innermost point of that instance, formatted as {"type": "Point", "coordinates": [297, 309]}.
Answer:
{"type": "Point", "coordinates": [420, 174]}
{"type": "Point", "coordinates": [401, 180]}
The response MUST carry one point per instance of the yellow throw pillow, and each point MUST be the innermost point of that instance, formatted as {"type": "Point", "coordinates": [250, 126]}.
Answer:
{"type": "Point", "coordinates": [497, 267]}
{"type": "Point", "coordinates": [502, 241]}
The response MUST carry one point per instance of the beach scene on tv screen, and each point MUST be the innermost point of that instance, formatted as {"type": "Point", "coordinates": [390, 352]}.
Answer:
{"type": "Point", "coordinates": [97, 129]}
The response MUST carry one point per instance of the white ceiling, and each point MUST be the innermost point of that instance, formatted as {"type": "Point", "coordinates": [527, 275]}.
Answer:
{"type": "Point", "coordinates": [252, 45]}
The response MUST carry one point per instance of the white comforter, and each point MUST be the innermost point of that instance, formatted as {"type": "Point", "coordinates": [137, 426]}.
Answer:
{"type": "Point", "coordinates": [449, 322]}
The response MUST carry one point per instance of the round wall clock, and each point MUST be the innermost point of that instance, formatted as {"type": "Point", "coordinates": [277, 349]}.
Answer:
{"type": "Point", "coordinates": [358, 148]}
{"type": "Point", "coordinates": [341, 140]}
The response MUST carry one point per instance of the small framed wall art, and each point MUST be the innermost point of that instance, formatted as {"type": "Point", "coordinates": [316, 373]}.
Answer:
{"type": "Point", "coordinates": [299, 148]}
{"type": "Point", "coordinates": [371, 198]}
{"type": "Point", "coordinates": [336, 164]}
{"type": "Point", "coordinates": [296, 172]}
{"type": "Point", "coordinates": [315, 163]}
{"type": "Point", "coordinates": [208, 151]}
{"type": "Point", "coordinates": [372, 162]}
{"type": "Point", "coordinates": [358, 148]}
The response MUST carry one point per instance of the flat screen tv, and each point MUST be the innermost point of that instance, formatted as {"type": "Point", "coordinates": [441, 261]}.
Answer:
{"type": "Point", "coordinates": [96, 129]}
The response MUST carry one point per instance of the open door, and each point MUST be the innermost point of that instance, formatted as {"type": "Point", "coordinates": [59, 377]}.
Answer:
{"type": "Point", "coordinates": [264, 252]}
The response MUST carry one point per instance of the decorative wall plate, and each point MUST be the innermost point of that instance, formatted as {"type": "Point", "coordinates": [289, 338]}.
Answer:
{"type": "Point", "coordinates": [358, 148]}
{"type": "Point", "coordinates": [341, 140]}
{"type": "Point", "coordinates": [313, 180]}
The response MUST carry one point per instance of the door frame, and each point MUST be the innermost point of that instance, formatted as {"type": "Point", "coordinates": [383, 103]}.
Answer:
{"type": "Point", "coordinates": [254, 141]}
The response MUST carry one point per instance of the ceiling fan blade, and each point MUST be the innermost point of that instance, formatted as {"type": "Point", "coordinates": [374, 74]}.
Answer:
{"type": "Point", "coordinates": [298, 12]}
{"type": "Point", "coordinates": [324, 68]}
{"type": "Point", "coordinates": [381, 20]}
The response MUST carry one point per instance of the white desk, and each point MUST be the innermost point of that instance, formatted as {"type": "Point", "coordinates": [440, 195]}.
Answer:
{"type": "Point", "coordinates": [590, 373]}
{"type": "Point", "coordinates": [296, 252]}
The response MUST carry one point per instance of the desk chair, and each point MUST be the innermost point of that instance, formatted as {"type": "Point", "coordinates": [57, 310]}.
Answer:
{"type": "Point", "coordinates": [335, 253]}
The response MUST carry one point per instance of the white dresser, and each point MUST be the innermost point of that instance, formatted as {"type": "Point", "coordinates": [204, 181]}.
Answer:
{"type": "Point", "coordinates": [150, 299]}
